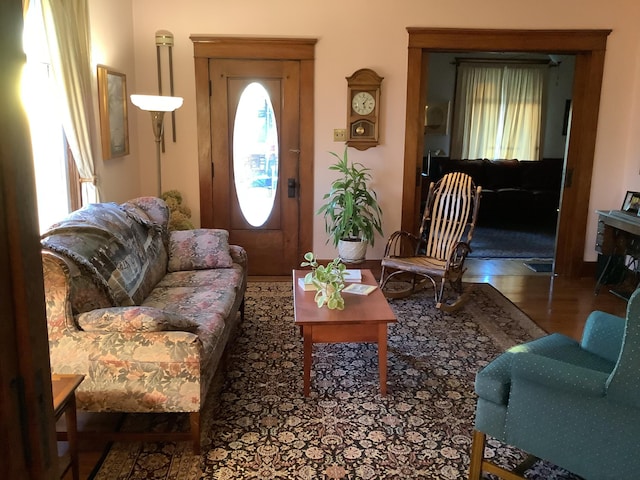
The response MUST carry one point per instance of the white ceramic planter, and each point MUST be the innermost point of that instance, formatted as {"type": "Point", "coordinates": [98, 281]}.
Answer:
{"type": "Point", "coordinates": [352, 252]}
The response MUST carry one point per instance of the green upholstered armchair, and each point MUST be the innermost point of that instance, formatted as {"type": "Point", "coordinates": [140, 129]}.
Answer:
{"type": "Point", "coordinates": [576, 405]}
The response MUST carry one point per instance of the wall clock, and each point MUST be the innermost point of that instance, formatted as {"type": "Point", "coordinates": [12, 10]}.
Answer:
{"type": "Point", "coordinates": [363, 109]}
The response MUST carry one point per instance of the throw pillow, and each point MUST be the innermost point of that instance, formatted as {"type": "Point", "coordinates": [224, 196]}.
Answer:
{"type": "Point", "coordinates": [134, 319]}
{"type": "Point", "coordinates": [199, 249]}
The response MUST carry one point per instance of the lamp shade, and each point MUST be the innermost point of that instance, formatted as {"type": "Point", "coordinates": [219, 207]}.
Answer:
{"type": "Point", "coordinates": [156, 103]}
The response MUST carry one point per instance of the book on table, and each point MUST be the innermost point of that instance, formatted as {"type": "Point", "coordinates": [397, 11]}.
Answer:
{"type": "Point", "coordinates": [307, 287]}
{"type": "Point", "coordinates": [351, 275]}
{"type": "Point", "coordinates": [359, 288]}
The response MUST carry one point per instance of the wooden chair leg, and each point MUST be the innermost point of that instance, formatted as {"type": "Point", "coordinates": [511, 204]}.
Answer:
{"type": "Point", "coordinates": [194, 424]}
{"type": "Point", "coordinates": [478, 464]}
{"type": "Point", "coordinates": [459, 303]}
{"type": "Point", "coordinates": [477, 455]}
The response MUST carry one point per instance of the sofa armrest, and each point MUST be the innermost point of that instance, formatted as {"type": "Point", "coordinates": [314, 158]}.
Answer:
{"type": "Point", "coordinates": [132, 372]}
{"type": "Point", "coordinates": [603, 334]}
{"type": "Point", "coordinates": [557, 375]}
{"type": "Point", "coordinates": [155, 208]}
{"type": "Point", "coordinates": [239, 255]}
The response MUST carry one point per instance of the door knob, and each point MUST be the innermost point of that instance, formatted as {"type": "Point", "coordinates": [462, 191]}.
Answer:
{"type": "Point", "coordinates": [291, 188]}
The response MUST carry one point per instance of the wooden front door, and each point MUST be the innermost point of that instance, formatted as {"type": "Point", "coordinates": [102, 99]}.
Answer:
{"type": "Point", "coordinates": [271, 164]}
{"type": "Point", "coordinates": [256, 145]}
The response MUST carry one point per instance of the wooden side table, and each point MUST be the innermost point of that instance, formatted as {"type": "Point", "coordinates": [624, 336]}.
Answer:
{"type": "Point", "coordinates": [64, 401]}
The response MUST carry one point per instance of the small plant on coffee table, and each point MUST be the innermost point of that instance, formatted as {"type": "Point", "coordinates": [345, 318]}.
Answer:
{"type": "Point", "coordinates": [328, 280]}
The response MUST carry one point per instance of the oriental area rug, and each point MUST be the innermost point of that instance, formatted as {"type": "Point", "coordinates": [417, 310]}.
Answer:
{"type": "Point", "coordinates": [258, 425]}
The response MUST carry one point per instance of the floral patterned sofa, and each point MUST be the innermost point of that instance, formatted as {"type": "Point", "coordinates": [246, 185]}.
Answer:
{"type": "Point", "coordinates": [142, 312]}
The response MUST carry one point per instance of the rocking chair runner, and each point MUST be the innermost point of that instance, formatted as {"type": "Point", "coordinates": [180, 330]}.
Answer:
{"type": "Point", "coordinates": [442, 246]}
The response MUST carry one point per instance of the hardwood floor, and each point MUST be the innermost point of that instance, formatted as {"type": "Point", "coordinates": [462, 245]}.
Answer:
{"type": "Point", "coordinates": [556, 304]}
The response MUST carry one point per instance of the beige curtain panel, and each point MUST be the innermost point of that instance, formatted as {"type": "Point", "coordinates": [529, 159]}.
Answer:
{"type": "Point", "coordinates": [68, 35]}
{"type": "Point", "coordinates": [498, 111]}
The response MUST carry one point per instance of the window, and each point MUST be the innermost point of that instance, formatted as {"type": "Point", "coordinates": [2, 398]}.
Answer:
{"type": "Point", "coordinates": [55, 172]}
{"type": "Point", "coordinates": [498, 111]}
{"type": "Point", "coordinates": [255, 154]}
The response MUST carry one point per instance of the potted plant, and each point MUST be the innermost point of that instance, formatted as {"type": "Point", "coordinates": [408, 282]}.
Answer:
{"type": "Point", "coordinates": [328, 280]}
{"type": "Point", "coordinates": [351, 212]}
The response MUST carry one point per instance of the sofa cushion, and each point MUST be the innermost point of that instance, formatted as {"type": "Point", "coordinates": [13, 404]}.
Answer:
{"type": "Point", "coordinates": [476, 168]}
{"type": "Point", "coordinates": [208, 305]}
{"type": "Point", "coordinates": [503, 173]}
{"type": "Point", "coordinates": [543, 174]}
{"type": "Point", "coordinates": [191, 301]}
{"type": "Point", "coordinates": [214, 278]}
{"type": "Point", "coordinates": [134, 319]}
{"type": "Point", "coordinates": [199, 249]}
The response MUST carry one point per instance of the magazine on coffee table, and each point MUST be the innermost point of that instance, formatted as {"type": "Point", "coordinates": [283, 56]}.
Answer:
{"type": "Point", "coordinates": [359, 288]}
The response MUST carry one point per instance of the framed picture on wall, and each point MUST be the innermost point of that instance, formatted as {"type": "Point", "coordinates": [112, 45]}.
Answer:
{"type": "Point", "coordinates": [631, 203]}
{"type": "Point", "coordinates": [114, 123]}
{"type": "Point", "coordinates": [436, 118]}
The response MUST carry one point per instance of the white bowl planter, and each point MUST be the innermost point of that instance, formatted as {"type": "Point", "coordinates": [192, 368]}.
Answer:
{"type": "Point", "coordinates": [352, 251]}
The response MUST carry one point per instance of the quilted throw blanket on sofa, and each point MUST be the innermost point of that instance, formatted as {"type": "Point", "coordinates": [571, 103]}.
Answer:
{"type": "Point", "coordinates": [110, 243]}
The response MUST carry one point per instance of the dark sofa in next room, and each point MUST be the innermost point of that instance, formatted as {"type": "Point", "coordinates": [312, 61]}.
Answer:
{"type": "Point", "coordinates": [513, 191]}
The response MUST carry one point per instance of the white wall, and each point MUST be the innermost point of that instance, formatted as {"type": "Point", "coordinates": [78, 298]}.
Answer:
{"type": "Point", "coordinates": [353, 35]}
{"type": "Point", "coordinates": [112, 40]}
{"type": "Point", "coordinates": [559, 90]}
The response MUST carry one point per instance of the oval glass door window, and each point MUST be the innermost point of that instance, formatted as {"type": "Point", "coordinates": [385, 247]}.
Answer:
{"type": "Point", "coordinates": [255, 154]}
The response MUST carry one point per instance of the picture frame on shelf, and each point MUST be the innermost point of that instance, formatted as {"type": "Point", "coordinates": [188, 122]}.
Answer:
{"type": "Point", "coordinates": [114, 121]}
{"type": "Point", "coordinates": [631, 203]}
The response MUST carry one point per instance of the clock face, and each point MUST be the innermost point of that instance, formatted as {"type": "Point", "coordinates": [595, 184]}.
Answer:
{"type": "Point", "coordinates": [363, 103]}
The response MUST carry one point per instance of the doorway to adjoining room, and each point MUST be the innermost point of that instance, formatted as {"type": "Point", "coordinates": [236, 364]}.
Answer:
{"type": "Point", "coordinates": [521, 196]}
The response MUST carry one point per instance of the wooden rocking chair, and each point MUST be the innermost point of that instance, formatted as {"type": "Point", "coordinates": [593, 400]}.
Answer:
{"type": "Point", "coordinates": [442, 246]}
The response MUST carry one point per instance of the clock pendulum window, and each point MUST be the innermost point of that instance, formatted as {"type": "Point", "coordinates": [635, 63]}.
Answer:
{"type": "Point", "coordinates": [363, 109]}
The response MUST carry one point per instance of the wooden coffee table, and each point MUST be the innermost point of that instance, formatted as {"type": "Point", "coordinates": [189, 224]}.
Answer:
{"type": "Point", "coordinates": [364, 319]}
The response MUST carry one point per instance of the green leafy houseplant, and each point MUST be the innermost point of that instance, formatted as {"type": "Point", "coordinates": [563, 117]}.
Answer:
{"type": "Point", "coordinates": [351, 211]}
{"type": "Point", "coordinates": [328, 280]}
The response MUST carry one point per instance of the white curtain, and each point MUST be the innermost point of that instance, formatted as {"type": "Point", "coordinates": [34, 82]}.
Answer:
{"type": "Point", "coordinates": [69, 40]}
{"type": "Point", "coordinates": [523, 88]}
{"type": "Point", "coordinates": [498, 111]}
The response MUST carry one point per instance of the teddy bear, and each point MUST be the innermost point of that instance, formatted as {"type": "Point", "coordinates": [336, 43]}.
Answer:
{"type": "Point", "coordinates": [179, 214]}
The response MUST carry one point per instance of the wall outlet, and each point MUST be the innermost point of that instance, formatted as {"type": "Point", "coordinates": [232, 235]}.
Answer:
{"type": "Point", "coordinates": [339, 135]}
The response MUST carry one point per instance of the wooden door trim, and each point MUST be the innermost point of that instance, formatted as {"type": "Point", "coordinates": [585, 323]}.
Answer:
{"type": "Point", "coordinates": [589, 48]}
{"type": "Point", "coordinates": [208, 47]}
{"type": "Point", "coordinates": [260, 48]}
{"type": "Point", "coordinates": [27, 422]}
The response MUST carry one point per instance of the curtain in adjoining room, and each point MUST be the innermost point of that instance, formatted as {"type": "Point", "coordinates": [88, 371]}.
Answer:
{"type": "Point", "coordinates": [498, 111]}
{"type": "Point", "coordinates": [69, 40]}
{"type": "Point", "coordinates": [478, 98]}
{"type": "Point", "coordinates": [523, 88]}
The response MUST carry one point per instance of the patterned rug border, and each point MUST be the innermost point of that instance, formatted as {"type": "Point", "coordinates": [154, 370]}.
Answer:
{"type": "Point", "coordinates": [173, 461]}
{"type": "Point", "coordinates": [532, 328]}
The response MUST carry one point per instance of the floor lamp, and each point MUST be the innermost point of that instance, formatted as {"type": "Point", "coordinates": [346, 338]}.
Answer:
{"type": "Point", "coordinates": [157, 105]}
